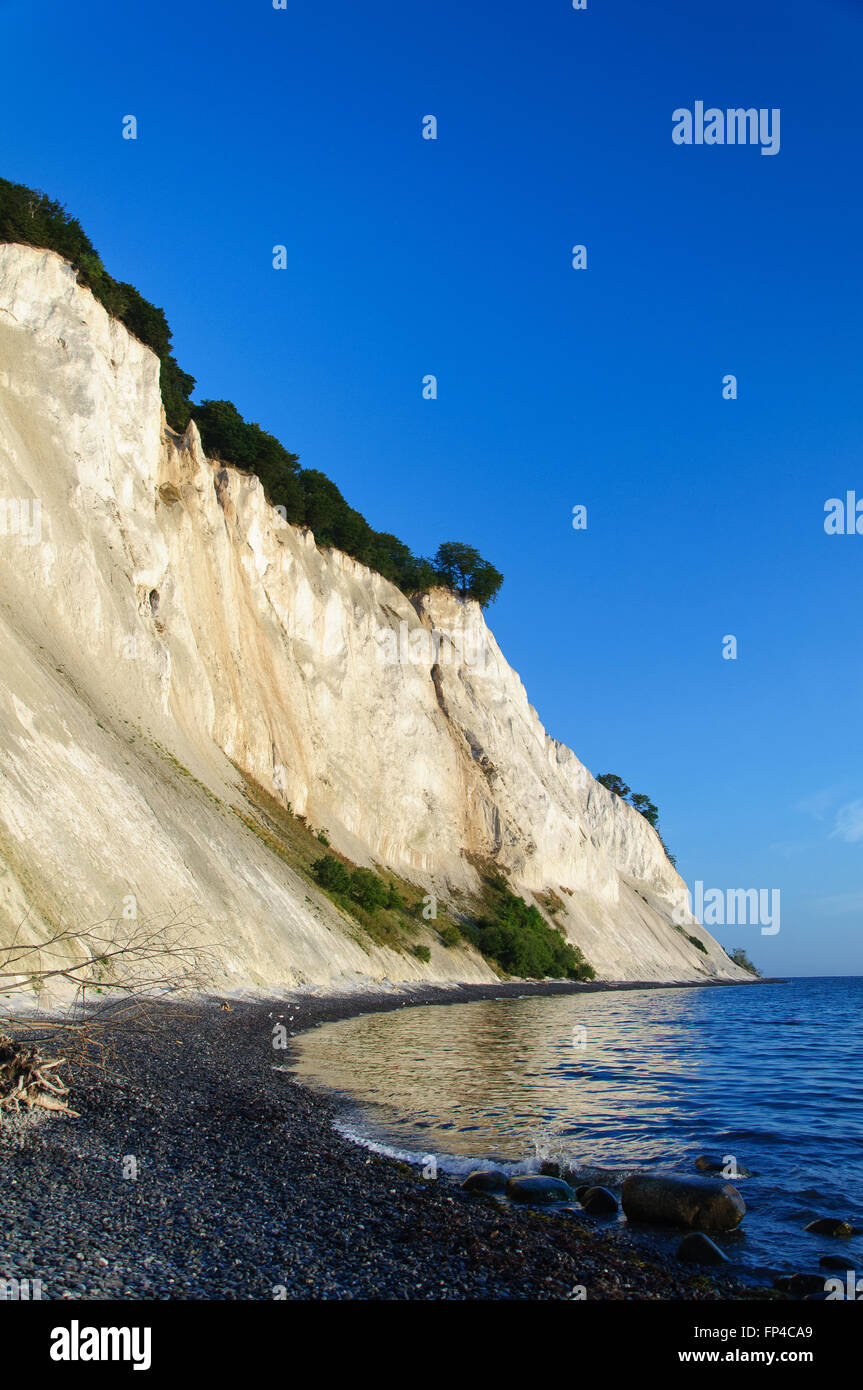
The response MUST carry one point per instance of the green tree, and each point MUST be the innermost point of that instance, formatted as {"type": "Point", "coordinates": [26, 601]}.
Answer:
{"type": "Point", "coordinates": [368, 890]}
{"type": "Point", "coordinates": [739, 956]}
{"type": "Point", "coordinates": [331, 874]}
{"type": "Point", "coordinates": [645, 807]}
{"type": "Point", "coordinates": [614, 784]}
{"type": "Point", "coordinates": [462, 568]}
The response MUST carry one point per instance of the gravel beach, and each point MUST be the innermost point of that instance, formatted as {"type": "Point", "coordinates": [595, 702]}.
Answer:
{"type": "Point", "coordinates": [244, 1190]}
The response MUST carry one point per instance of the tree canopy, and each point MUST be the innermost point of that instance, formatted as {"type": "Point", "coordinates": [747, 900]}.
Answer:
{"type": "Point", "coordinates": [463, 569]}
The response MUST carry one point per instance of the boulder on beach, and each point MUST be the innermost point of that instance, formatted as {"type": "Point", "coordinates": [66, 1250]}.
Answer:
{"type": "Point", "coordinates": [666, 1199]}
{"type": "Point", "coordinates": [598, 1201]}
{"type": "Point", "coordinates": [712, 1163]}
{"type": "Point", "coordinates": [539, 1189]}
{"type": "Point", "coordinates": [830, 1226]}
{"type": "Point", "coordinates": [485, 1180]}
{"type": "Point", "coordinates": [698, 1249]}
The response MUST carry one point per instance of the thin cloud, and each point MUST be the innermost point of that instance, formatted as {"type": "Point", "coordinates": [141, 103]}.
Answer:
{"type": "Point", "coordinates": [849, 823]}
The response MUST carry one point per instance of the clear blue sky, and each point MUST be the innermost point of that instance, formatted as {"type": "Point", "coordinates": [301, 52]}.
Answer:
{"type": "Point", "coordinates": [557, 387]}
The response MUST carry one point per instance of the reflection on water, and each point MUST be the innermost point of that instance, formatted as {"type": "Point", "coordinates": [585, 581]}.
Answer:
{"type": "Point", "coordinates": [650, 1078]}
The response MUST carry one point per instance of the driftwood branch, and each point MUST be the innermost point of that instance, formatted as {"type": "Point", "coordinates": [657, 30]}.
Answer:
{"type": "Point", "coordinates": [118, 970]}
{"type": "Point", "coordinates": [27, 1079]}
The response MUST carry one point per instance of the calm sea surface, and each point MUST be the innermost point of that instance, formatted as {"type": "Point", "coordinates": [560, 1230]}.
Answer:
{"type": "Point", "coordinates": [772, 1074]}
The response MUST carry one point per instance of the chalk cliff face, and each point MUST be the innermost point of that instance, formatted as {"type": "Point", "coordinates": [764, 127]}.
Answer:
{"type": "Point", "coordinates": [164, 631]}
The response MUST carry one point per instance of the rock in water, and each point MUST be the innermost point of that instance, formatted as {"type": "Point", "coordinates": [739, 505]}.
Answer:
{"type": "Point", "coordinates": [830, 1226]}
{"type": "Point", "coordinates": [598, 1201]}
{"type": "Point", "coordinates": [711, 1163]}
{"type": "Point", "coordinates": [485, 1180]}
{"type": "Point", "coordinates": [834, 1262]}
{"type": "Point", "coordinates": [539, 1190]}
{"type": "Point", "coordinates": [699, 1249]}
{"type": "Point", "coordinates": [665, 1199]}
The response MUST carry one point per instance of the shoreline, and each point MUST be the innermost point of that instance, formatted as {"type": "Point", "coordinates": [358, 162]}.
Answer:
{"type": "Point", "coordinates": [245, 1190]}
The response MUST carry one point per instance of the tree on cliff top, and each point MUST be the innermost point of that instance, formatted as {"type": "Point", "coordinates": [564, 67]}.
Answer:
{"type": "Point", "coordinates": [637, 800]}
{"type": "Point", "coordinates": [463, 569]}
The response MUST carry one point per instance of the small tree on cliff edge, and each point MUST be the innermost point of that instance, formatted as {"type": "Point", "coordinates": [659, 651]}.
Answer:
{"type": "Point", "coordinates": [463, 569]}
{"type": "Point", "coordinates": [637, 800]}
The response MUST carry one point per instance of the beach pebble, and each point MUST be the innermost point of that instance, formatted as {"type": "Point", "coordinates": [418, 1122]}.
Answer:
{"type": "Point", "coordinates": [698, 1249]}
{"type": "Point", "coordinates": [538, 1189]}
{"type": "Point", "coordinates": [666, 1199]}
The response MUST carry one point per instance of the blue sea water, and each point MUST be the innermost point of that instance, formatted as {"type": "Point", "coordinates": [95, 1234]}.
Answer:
{"type": "Point", "coordinates": [770, 1075]}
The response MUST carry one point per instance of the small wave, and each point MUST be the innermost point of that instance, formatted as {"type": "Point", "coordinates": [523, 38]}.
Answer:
{"type": "Point", "coordinates": [455, 1164]}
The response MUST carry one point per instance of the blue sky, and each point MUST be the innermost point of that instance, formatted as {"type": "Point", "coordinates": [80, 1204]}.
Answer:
{"type": "Point", "coordinates": [557, 387]}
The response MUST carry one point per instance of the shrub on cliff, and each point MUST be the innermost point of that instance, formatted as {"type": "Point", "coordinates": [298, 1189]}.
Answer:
{"type": "Point", "coordinates": [331, 874]}
{"type": "Point", "coordinates": [522, 943]}
{"type": "Point", "coordinates": [640, 803]}
{"type": "Point", "coordinates": [739, 956]}
{"type": "Point", "coordinates": [368, 890]}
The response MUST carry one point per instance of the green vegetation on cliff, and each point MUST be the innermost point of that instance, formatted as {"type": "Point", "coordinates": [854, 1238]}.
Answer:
{"type": "Point", "coordinates": [305, 496]}
{"type": "Point", "coordinates": [521, 942]}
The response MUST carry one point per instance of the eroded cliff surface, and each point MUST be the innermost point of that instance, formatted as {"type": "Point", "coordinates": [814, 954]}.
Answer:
{"type": "Point", "coordinates": [166, 635]}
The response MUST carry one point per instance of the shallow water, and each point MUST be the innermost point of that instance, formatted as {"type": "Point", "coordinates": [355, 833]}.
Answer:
{"type": "Point", "coordinates": [771, 1074]}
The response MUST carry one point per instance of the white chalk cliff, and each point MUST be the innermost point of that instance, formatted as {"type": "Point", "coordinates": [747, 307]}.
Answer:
{"type": "Point", "coordinates": [162, 630]}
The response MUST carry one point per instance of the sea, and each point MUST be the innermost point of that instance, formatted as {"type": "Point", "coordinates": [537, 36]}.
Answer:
{"type": "Point", "coordinates": [766, 1077]}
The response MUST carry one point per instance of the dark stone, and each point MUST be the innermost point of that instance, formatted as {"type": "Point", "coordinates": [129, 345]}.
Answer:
{"type": "Point", "coordinates": [666, 1199]}
{"type": "Point", "coordinates": [598, 1201]}
{"type": "Point", "coordinates": [835, 1262]}
{"type": "Point", "coordinates": [711, 1163]}
{"type": "Point", "coordinates": [538, 1189]}
{"type": "Point", "coordinates": [699, 1249]}
{"type": "Point", "coordinates": [485, 1180]}
{"type": "Point", "coordinates": [806, 1283]}
{"type": "Point", "coordinates": [830, 1226]}
{"type": "Point", "coordinates": [581, 1189]}
{"type": "Point", "coordinates": [549, 1168]}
